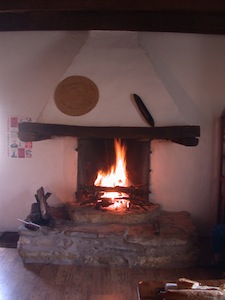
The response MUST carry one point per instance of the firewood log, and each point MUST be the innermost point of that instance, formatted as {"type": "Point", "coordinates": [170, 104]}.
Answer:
{"type": "Point", "coordinates": [35, 214]}
{"type": "Point", "coordinates": [42, 201]}
{"type": "Point", "coordinates": [193, 294]}
{"type": "Point", "coordinates": [184, 283]}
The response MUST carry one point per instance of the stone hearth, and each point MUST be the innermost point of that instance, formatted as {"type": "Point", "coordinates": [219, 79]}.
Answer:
{"type": "Point", "coordinates": [145, 238]}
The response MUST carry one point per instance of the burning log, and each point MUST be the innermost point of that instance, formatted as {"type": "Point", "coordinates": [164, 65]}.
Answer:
{"type": "Point", "coordinates": [105, 202]}
{"type": "Point", "coordinates": [118, 189]}
{"type": "Point", "coordinates": [92, 195]}
{"type": "Point", "coordinates": [132, 191]}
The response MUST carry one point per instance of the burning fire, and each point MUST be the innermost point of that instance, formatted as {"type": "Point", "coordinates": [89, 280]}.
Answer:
{"type": "Point", "coordinates": [116, 176]}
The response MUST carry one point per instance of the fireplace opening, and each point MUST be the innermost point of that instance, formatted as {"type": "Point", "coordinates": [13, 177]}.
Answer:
{"type": "Point", "coordinates": [113, 174]}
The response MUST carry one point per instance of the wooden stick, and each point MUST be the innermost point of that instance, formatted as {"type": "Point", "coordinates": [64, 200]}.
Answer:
{"type": "Point", "coordinates": [29, 223]}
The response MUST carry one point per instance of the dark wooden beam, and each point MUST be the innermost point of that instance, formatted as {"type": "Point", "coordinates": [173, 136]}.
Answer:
{"type": "Point", "coordinates": [146, 15]}
{"type": "Point", "coordinates": [185, 135]}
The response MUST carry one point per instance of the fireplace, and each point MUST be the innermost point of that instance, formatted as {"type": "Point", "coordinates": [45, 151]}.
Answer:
{"type": "Point", "coordinates": [113, 182]}
{"type": "Point", "coordinates": [113, 171]}
{"type": "Point", "coordinates": [96, 231]}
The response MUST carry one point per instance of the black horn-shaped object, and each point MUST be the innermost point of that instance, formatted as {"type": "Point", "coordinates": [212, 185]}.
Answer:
{"type": "Point", "coordinates": [144, 111]}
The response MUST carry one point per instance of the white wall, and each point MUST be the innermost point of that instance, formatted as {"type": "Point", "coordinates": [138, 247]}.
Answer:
{"type": "Point", "coordinates": [180, 79]}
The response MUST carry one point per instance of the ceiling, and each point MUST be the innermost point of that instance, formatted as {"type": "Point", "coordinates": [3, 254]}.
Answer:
{"type": "Point", "coordinates": [188, 16]}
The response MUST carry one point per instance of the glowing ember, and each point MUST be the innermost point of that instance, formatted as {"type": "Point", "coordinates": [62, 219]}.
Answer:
{"type": "Point", "coordinates": [116, 176]}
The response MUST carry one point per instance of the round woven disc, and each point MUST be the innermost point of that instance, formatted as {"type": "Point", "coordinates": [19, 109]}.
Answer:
{"type": "Point", "coordinates": [76, 95]}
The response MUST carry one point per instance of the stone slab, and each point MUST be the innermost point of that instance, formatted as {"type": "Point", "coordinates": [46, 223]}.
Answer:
{"type": "Point", "coordinates": [87, 214]}
{"type": "Point", "coordinates": [133, 245]}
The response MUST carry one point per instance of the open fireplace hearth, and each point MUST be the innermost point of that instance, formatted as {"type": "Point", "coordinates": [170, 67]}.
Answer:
{"type": "Point", "coordinates": [138, 237]}
{"type": "Point", "coordinates": [112, 221]}
{"type": "Point", "coordinates": [113, 173]}
{"type": "Point", "coordinates": [84, 232]}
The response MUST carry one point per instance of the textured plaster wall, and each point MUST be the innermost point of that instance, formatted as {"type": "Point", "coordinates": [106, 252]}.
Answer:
{"type": "Point", "coordinates": [178, 76]}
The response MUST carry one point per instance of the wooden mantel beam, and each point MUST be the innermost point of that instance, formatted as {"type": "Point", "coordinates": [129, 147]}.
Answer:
{"type": "Point", "coordinates": [185, 135]}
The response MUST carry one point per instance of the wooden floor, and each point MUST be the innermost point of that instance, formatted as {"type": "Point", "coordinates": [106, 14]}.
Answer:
{"type": "Point", "coordinates": [53, 282]}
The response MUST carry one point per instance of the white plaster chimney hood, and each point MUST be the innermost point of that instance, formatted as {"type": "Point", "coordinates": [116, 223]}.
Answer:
{"type": "Point", "coordinates": [121, 64]}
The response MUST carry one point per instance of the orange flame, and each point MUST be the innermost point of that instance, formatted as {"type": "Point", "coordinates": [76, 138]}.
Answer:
{"type": "Point", "coordinates": [116, 176]}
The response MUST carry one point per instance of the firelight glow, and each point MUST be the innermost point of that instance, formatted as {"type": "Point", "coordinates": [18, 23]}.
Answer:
{"type": "Point", "coordinates": [116, 176]}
